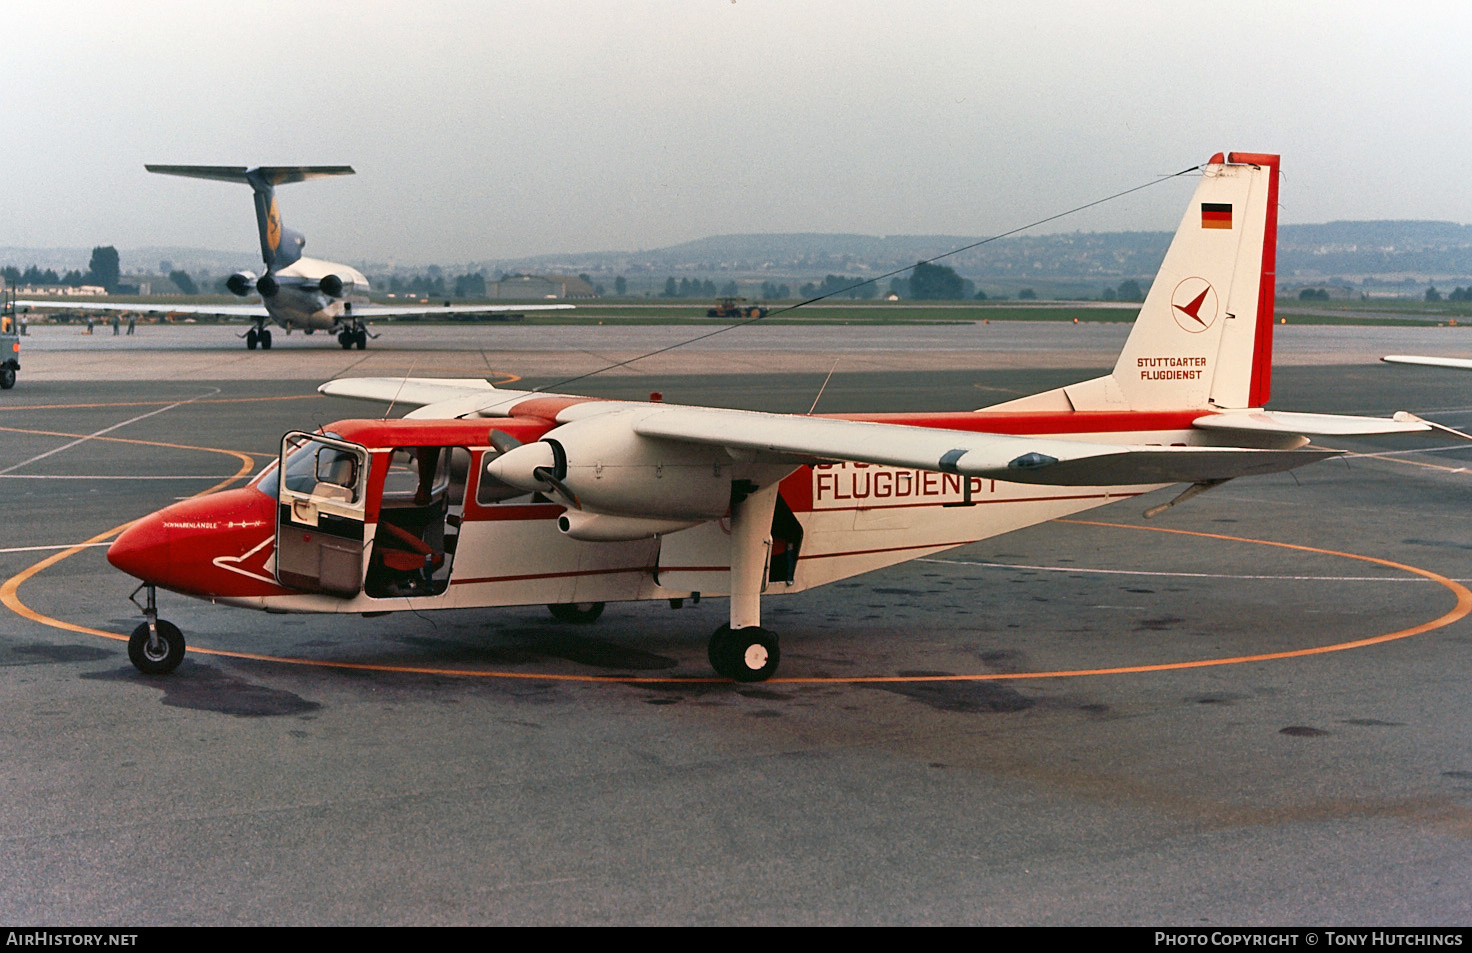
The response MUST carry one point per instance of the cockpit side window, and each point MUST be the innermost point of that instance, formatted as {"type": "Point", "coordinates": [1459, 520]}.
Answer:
{"type": "Point", "coordinates": [315, 468]}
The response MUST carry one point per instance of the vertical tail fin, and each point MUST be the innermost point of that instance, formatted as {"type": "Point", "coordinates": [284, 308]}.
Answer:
{"type": "Point", "coordinates": [279, 245]}
{"type": "Point", "coordinates": [1204, 337]}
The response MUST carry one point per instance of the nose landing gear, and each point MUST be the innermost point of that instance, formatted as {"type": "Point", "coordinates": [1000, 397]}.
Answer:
{"type": "Point", "coordinates": [156, 647]}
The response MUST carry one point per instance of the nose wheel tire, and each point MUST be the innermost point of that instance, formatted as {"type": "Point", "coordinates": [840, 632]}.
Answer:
{"type": "Point", "coordinates": [578, 613]}
{"type": "Point", "coordinates": [744, 655]}
{"type": "Point", "coordinates": [156, 656]}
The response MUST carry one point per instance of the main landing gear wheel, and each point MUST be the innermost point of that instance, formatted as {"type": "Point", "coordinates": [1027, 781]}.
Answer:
{"type": "Point", "coordinates": [345, 338]}
{"type": "Point", "coordinates": [252, 338]}
{"type": "Point", "coordinates": [156, 656]}
{"type": "Point", "coordinates": [265, 339]}
{"type": "Point", "coordinates": [744, 655]}
{"type": "Point", "coordinates": [579, 613]}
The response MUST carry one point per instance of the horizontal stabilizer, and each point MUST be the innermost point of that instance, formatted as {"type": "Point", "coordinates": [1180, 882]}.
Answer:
{"type": "Point", "coordinates": [274, 174]}
{"type": "Point", "coordinates": [1319, 425]}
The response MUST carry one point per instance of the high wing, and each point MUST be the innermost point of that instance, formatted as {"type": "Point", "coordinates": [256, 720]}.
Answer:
{"type": "Point", "coordinates": [1016, 459]}
{"type": "Point", "coordinates": [796, 439]}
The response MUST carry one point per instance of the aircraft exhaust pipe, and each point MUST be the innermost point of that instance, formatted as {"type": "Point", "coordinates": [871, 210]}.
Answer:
{"type": "Point", "coordinates": [241, 283]}
{"type": "Point", "coordinates": [602, 528]}
{"type": "Point", "coordinates": [331, 286]}
{"type": "Point", "coordinates": [267, 286]}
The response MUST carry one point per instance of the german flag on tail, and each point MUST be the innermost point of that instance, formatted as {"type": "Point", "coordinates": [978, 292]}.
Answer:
{"type": "Point", "coordinates": [1216, 214]}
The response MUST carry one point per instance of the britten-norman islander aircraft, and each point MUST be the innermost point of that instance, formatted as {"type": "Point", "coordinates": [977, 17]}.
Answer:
{"type": "Point", "coordinates": [296, 292]}
{"type": "Point", "coordinates": [490, 497]}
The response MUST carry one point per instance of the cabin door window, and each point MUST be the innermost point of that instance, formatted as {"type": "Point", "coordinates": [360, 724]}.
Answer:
{"type": "Point", "coordinates": [319, 514]}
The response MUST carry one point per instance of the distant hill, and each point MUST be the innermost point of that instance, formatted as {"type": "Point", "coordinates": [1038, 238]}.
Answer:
{"type": "Point", "coordinates": [1345, 253]}
{"type": "Point", "coordinates": [1351, 251]}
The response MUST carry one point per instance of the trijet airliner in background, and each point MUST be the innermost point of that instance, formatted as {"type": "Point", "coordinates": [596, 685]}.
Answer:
{"type": "Point", "coordinates": [489, 497]}
{"type": "Point", "coordinates": [295, 291]}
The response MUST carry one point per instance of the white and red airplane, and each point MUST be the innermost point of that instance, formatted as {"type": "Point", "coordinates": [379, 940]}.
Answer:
{"type": "Point", "coordinates": [490, 497]}
{"type": "Point", "coordinates": [296, 291]}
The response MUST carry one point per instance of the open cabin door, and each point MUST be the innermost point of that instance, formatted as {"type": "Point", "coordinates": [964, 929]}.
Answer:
{"type": "Point", "coordinates": [319, 519]}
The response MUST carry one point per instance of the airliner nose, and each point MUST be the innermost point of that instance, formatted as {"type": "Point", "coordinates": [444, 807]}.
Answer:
{"type": "Point", "coordinates": [143, 550]}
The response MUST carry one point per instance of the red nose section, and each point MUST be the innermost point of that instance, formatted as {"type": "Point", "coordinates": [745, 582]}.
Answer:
{"type": "Point", "coordinates": [216, 545]}
{"type": "Point", "coordinates": [143, 550]}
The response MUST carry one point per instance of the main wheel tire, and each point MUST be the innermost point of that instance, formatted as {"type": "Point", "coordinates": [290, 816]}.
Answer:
{"type": "Point", "coordinates": [7, 378]}
{"type": "Point", "coordinates": [345, 339]}
{"type": "Point", "coordinates": [252, 338]}
{"type": "Point", "coordinates": [578, 613]}
{"type": "Point", "coordinates": [744, 655]}
{"type": "Point", "coordinates": [360, 338]}
{"type": "Point", "coordinates": [265, 339]}
{"type": "Point", "coordinates": [162, 658]}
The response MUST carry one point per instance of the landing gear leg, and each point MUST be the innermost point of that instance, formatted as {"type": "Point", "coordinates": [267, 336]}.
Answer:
{"type": "Point", "coordinates": [743, 650]}
{"type": "Point", "coordinates": [156, 647]}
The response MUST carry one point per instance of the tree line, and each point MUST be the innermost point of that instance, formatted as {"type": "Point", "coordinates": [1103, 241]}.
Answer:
{"type": "Point", "coordinates": [103, 270]}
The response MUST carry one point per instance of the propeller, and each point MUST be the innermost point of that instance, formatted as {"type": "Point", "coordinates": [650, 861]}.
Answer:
{"type": "Point", "coordinates": [554, 475]}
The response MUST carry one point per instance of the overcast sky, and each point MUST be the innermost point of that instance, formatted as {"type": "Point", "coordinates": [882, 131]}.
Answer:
{"type": "Point", "coordinates": [482, 130]}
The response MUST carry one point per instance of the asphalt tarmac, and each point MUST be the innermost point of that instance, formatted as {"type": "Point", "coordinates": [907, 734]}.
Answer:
{"type": "Point", "coordinates": [1328, 788]}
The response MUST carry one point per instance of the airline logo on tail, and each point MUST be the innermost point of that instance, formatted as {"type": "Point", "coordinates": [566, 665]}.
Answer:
{"type": "Point", "coordinates": [1194, 304]}
{"type": "Point", "coordinates": [273, 227]}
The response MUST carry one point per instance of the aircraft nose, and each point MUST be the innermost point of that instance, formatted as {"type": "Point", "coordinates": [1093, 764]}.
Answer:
{"type": "Point", "coordinates": [143, 550]}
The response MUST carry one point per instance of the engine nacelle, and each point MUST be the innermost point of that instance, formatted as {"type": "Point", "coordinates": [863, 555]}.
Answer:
{"type": "Point", "coordinates": [241, 283]}
{"type": "Point", "coordinates": [267, 286]}
{"type": "Point", "coordinates": [601, 528]}
{"type": "Point", "coordinates": [609, 470]}
{"type": "Point", "coordinates": [331, 286]}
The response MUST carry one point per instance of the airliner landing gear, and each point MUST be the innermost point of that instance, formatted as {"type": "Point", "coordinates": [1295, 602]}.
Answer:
{"type": "Point", "coordinates": [353, 337]}
{"type": "Point", "coordinates": [744, 655]}
{"type": "Point", "coordinates": [255, 336]}
{"type": "Point", "coordinates": [156, 647]}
